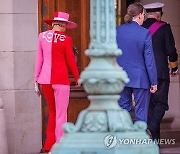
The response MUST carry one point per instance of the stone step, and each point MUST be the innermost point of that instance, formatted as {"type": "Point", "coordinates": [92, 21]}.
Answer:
{"type": "Point", "coordinates": [171, 134]}
{"type": "Point", "coordinates": [173, 150]}
{"type": "Point", "coordinates": [170, 148]}
{"type": "Point", "coordinates": [166, 122]}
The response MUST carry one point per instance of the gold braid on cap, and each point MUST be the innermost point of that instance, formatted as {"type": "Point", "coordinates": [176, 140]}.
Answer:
{"type": "Point", "coordinates": [173, 64]}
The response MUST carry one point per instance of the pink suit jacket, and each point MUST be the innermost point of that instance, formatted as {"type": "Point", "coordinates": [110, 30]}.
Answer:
{"type": "Point", "coordinates": [54, 55]}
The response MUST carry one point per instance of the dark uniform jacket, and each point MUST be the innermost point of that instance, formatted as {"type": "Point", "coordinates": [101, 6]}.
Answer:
{"type": "Point", "coordinates": [163, 47]}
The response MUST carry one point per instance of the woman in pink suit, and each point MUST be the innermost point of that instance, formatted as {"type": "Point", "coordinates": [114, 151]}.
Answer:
{"type": "Point", "coordinates": [54, 55]}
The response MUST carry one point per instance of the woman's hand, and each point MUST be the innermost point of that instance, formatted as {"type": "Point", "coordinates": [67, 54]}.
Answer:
{"type": "Point", "coordinates": [36, 88]}
{"type": "Point", "coordinates": [78, 85]}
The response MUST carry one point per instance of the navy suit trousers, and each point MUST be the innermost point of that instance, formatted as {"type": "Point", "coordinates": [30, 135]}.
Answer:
{"type": "Point", "coordinates": [141, 97]}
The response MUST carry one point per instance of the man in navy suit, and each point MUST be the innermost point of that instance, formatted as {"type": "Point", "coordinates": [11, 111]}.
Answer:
{"type": "Point", "coordinates": [138, 61]}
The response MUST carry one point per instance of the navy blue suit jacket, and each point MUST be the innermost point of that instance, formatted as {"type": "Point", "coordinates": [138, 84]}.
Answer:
{"type": "Point", "coordinates": [137, 58]}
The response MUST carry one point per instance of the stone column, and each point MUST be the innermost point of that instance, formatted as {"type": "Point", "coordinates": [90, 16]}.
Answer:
{"type": "Point", "coordinates": [101, 127]}
{"type": "Point", "coordinates": [18, 39]}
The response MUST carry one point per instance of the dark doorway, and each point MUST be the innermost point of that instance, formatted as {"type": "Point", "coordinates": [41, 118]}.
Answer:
{"type": "Point", "coordinates": [128, 2]}
{"type": "Point", "coordinates": [121, 7]}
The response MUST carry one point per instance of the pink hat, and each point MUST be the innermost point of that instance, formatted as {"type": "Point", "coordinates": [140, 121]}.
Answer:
{"type": "Point", "coordinates": [61, 16]}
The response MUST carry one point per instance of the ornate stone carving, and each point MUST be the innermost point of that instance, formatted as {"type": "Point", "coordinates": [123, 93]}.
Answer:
{"type": "Point", "coordinates": [104, 121]}
{"type": "Point", "coordinates": [95, 122]}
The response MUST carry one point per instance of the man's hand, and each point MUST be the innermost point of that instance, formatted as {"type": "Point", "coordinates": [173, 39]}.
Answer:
{"type": "Point", "coordinates": [153, 89]}
{"type": "Point", "coordinates": [174, 72]}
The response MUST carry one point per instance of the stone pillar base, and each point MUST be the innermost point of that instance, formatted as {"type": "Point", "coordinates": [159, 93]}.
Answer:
{"type": "Point", "coordinates": [106, 143]}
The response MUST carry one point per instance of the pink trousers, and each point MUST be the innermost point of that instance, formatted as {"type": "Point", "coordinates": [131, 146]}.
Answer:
{"type": "Point", "coordinates": [57, 97]}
